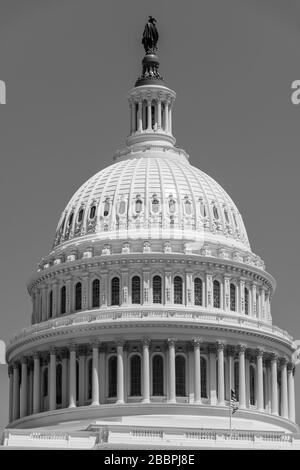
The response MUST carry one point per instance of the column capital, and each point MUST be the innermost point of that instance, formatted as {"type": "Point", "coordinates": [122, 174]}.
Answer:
{"type": "Point", "coordinates": [103, 348]}
{"type": "Point", "coordinates": [290, 366]}
{"type": "Point", "coordinates": [241, 349]}
{"type": "Point", "coordinates": [10, 370]}
{"type": "Point", "coordinates": [64, 353]}
{"type": "Point", "coordinates": [196, 342]}
{"type": "Point", "coordinates": [73, 347]}
{"type": "Point", "coordinates": [259, 352]}
{"type": "Point", "coordinates": [146, 342]}
{"type": "Point", "coordinates": [171, 342]}
{"type": "Point", "coordinates": [220, 346]}
{"type": "Point", "coordinates": [36, 355]}
{"type": "Point", "coordinates": [283, 361]}
{"type": "Point", "coordinates": [16, 365]}
{"type": "Point", "coordinates": [274, 357]}
{"type": "Point", "coordinates": [53, 350]}
{"type": "Point", "coordinates": [120, 342]}
{"type": "Point", "coordinates": [24, 360]}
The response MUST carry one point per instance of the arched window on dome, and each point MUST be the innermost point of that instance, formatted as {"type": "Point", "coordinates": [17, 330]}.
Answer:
{"type": "Point", "coordinates": [63, 300]}
{"type": "Point", "coordinates": [115, 291]}
{"type": "Point", "coordinates": [62, 226]}
{"type": "Point", "coordinates": [135, 376]}
{"type": "Point", "coordinates": [252, 384]}
{"type": "Point", "coordinates": [45, 382]}
{"type": "Point", "coordinates": [92, 212]}
{"type": "Point", "coordinates": [138, 205]}
{"type": "Point", "coordinates": [198, 295]}
{"type": "Point", "coordinates": [122, 207]}
{"type": "Point", "coordinates": [155, 204]}
{"type": "Point", "coordinates": [235, 221]}
{"type": "Point", "coordinates": [78, 296]}
{"type": "Point", "coordinates": [180, 375]}
{"type": "Point", "coordinates": [136, 290]}
{"type": "Point", "coordinates": [112, 376]}
{"type": "Point", "coordinates": [217, 294]}
{"type": "Point", "coordinates": [71, 216]}
{"type": "Point", "coordinates": [106, 207]}
{"type": "Point", "coordinates": [89, 378]}
{"type": "Point", "coordinates": [246, 294]}
{"type": "Point", "coordinates": [215, 212]}
{"type": "Point", "coordinates": [50, 304]}
{"type": "Point", "coordinates": [203, 371]}
{"type": "Point", "coordinates": [187, 206]}
{"type": "Point", "coordinates": [80, 215]}
{"type": "Point", "coordinates": [232, 297]}
{"type": "Point", "coordinates": [172, 205]}
{"type": "Point", "coordinates": [226, 216]}
{"type": "Point", "coordinates": [157, 290]}
{"type": "Point", "coordinates": [96, 293]}
{"type": "Point", "coordinates": [178, 290]}
{"type": "Point", "coordinates": [202, 208]}
{"type": "Point", "coordinates": [236, 379]}
{"type": "Point", "coordinates": [157, 376]}
{"type": "Point", "coordinates": [59, 384]}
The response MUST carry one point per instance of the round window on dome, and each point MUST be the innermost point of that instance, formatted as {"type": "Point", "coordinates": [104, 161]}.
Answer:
{"type": "Point", "coordinates": [92, 212]}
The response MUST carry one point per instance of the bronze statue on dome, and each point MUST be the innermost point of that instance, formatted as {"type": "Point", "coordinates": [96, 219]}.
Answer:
{"type": "Point", "coordinates": [150, 36]}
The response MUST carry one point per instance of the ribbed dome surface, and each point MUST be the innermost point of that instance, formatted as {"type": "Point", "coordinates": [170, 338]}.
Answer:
{"type": "Point", "coordinates": [152, 188]}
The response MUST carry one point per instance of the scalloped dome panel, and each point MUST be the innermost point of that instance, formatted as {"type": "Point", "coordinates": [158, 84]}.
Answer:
{"type": "Point", "coordinates": [153, 189]}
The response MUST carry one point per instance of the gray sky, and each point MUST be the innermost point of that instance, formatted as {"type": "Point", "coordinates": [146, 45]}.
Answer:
{"type": "Point", "coordinates": [68, 66]}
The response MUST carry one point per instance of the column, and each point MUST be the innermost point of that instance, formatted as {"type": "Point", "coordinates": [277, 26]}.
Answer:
{"type": "Point", "coordinates": [146, 371]}
{"type": "Point", "coordinates": [30, 398]}
{"type": "Point", "coordinates": [170, 118]}
{"type": "Point", "coordinates": [102, 367]}
{"type": "Point", "coordinates": [124, 281]}
{"type": "Point", "coordinates": [254, 306]}
{"type": "Point", "coordinates": [72, 377]}
{"type": "Point", "coordinates": [230, 355]}
{"type": "Point", "coordinates": [220, 349]}
{"type": "Point", "coordinates": [55, 309]}
{"type": "Point", "coordinates": [11, 387]}
{"type": "Point", "coordinates": [36, 382]}
{"type": "Point", "coordinates": [212, 375]}
{"type": "Point", "coordinates": [120, 372]}
{"type": "Point", "coordinates": [168, 287]}
{"type": "Point", "coordinates": [85, 291]}
{"type": "Point", "coordinates": [131, 110]}
{"type": "Point", "coordinates": [149, 127]}
{"type": "Point", "coordinates": [242, 296]}
{"type": "Point", "coordinates": [189, 289]}
{"type": "Point", "coordinates": [146, 287]}
{"type": "Point", "coordinates": [82, 378]}
{"type": "Point", "coordinates": [291, 391]}
{"type": "Point", "coordinates": [64, 378]}
{"type": "Point", "coordinates": [274, 398]}
{"type": "Point", "coordinates": [68, 295]}
{"type": "Point", "coordinates": [172, 371]}
{"type": "Point", "coordinates": [140, 124]}
{"type": "Point", "coordinates": [52, 380]}
{"type": "Point", "coordinates": [260, 380]}
{"type": "Point", "coordinates": [95, 375]}
{"type": "Point", "coordinates": [16, 391]}
{"type": "Point", "coordinates": [24, 388]}
{"type": "Point", "coordinates": [159, 114]}
{"type": "Point", "coordinates": [262, 304]}
{"type": "Point", "coordinates": [226, 293]}
{"type": "Point", "coordinates": [266, 364]}
{"type": "Point", "coordinates": [197, 371]}
{"type": "Point", "coordinates": [103, 289]}
{"type": "Point", "coordinates": [209, 290]}
{"type": "Point", "coordinates": [284, 390]}
{"type": "Point", "coordinates": [242, 378]}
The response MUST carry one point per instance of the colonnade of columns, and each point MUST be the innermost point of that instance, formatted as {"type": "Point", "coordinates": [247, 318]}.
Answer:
{"type": "Point", "coordinates": [151, 114]}
{"type": "Point", "coordinates": [226, 367]}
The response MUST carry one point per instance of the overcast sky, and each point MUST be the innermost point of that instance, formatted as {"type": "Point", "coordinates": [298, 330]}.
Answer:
{"type": "Point", "coordinates": [68, 66]}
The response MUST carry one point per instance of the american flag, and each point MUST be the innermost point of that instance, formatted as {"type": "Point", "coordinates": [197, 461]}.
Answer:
{"type": "Point", "coordinates": [233, 402]}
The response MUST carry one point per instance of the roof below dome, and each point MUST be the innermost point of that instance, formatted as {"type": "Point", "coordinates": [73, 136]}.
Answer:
{"type": "Point", "coordinates": [153, 193]}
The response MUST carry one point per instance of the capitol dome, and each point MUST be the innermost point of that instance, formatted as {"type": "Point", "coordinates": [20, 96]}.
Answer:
{"type": "Point", "coordinates": [151, 316]}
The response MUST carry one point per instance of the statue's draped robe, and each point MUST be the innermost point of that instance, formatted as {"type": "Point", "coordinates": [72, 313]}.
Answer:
{"type": "Point", "coordinates": [150, 37]}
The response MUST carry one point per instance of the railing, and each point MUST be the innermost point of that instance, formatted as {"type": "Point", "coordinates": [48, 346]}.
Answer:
{"type": "Point", "coordinates": [125, 313]}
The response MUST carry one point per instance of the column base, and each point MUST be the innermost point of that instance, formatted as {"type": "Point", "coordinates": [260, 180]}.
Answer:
{"type": "Point", "coordinates": [72, 405]}
{"type": "Point", "coordinates": [197, 402]}
{"type": "Point", "coordinates": [173, 400]}
{"type": "Point", "coordinates": [146, 400]}
{"type": "Point", "coordinates": [222, 403]}
{"type": "Point", "coordinates": [95, 403]}
{"type": "Point", "coordinates": [120, 402]}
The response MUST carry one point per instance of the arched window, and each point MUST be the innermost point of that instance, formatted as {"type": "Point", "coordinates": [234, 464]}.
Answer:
{"type": "Point", "coordinates": [180, 376]}
{"type": "Point", "coordinates": [178, 290]}
{"type": "Point", "coordinates": [78, 296]}
{"type": "Point", "coordinates": [235, 221]}
{"type": "Point", "coordinates": [236, 379]}
{"type": "Point", "coordinates": [203, 377]}
{"type": "Point", "coordinates": [115, 291]}
{"type": "Point", "coordinates": [106, 207]}
{"type": "Point", "coordinates": [172, 205]}
{"type": "Point", "coordinates": [157, 375]}
{"type": "Point", "coordinates": [96, 293]}
{"type": "Point", "coordinates": [89, 379]}
{"type": "Point", "coordinates": [112, 376]}
{"type": "Point", "coordinates": [63, 300]}
{"type": "Point", "coordinates": [226, 216]}
{"type": "Point", "coordinates": [80, 216]}
{"type": "Point", "coordinates": [202, 208]}
{"type": "Point", "coordinates": [156, 287]}
{"type": "Point", "coordinates": [188, 207]}
{"type": "Point", "coordinates": [215, 212]}
{"type": "Point", "coordinates": [59, 384]}
{"type": "Point", "coordinates": [155, 204]}
{"type": "Point", "coordinates": [45, 382]}
{"type": "Point", "coordinates": [122, 207]}
{"type": "Point", "coordinates": [135, 376]}
{"type": "Point", "coordinates": [92, 211]}
{"type": "Point", "coordinates": [138, 205]}
{"type": "Point", "coordinates": [232, 297]}
{"type": "Point", "coordinates": [62, 225]}
{"type": "Point", "coordinates": [217, 294]}
{"type": "Point", "coordinates": [136, 290]}
{"type": "Point", "coordinates": [50, 304]}
{"type": "Point", "coordinates": [252, 385]}
{"type": "Point", "coordinates": [198, 299]}
{"type": "Point", "coordinates": [70, 219]}
{"type": "Point", "coordinates": [246, 301]}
